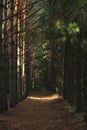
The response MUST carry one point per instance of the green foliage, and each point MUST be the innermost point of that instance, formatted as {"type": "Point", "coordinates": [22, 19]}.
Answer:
{"type": "Point", "coordinates": [54, 22]}
{"type": "Point", "coordinates": [70, 108]}
{"type": "Point", "coordinates": [59, 24]}
{"type": "Point", "coordinates": [73, 28]}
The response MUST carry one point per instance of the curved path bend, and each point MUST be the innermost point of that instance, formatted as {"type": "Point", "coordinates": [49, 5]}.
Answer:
{"type": "Point", "coordinates": [42, 113]}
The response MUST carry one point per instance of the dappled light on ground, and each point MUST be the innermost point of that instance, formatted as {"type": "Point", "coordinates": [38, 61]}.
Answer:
{"type": "Point", "coordinates": [45, 98]}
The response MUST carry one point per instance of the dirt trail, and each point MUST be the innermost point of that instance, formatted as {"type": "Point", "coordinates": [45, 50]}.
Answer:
{"type": "Point", "coordinates": [41, 113]}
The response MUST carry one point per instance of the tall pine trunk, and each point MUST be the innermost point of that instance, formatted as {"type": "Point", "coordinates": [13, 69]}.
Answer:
{"type": "Point", "coordinates": [3, 89]}
{"type": "Point", "coordinates": [78, 75]}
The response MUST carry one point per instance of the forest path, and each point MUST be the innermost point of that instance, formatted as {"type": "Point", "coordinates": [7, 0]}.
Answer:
{"type": "Point", "coordinates": [42, 113]}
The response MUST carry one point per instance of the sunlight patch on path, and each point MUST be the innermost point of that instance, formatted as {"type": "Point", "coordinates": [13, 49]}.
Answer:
{"type": "Point", "coordinates": [44, 98]}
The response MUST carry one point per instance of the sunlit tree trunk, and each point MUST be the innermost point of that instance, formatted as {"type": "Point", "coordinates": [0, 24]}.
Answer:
{"type": "Point", "coordinates": [19, 80]}
{"type": "Point", "coordinates": [12, 69]}
{"type": "Point", "coordinates": [23, 50]}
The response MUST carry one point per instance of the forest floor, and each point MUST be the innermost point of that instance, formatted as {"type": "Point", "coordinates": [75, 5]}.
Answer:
{"type": "Point", "coordinates": [43, 112]}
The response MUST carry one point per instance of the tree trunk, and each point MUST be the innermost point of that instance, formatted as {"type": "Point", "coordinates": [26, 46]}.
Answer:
{"type": "Point", "coordinates": [52, 66]}
{"type": "Point", "coordinates": [78, 76]}
{"type": "Point", "coordinates": [85, 85]}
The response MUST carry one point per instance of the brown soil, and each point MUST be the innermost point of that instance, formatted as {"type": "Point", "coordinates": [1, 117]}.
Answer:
{"type": "Point", "coordinates": [42, 113]}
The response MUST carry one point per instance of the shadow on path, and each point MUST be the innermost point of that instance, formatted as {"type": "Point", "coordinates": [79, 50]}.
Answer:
{"type": "Point", "coordinates": [42, 112]}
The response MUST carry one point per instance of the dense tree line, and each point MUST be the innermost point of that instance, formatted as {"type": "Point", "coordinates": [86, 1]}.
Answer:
{"type": "Point", "coordinates": [18, 23]}
{"type": "Point", "coordinates": [69, 33]}
{"type": "Point", "coordinates": [61, 54]}
{"type": "Point", "coordinates": [12, 52]}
